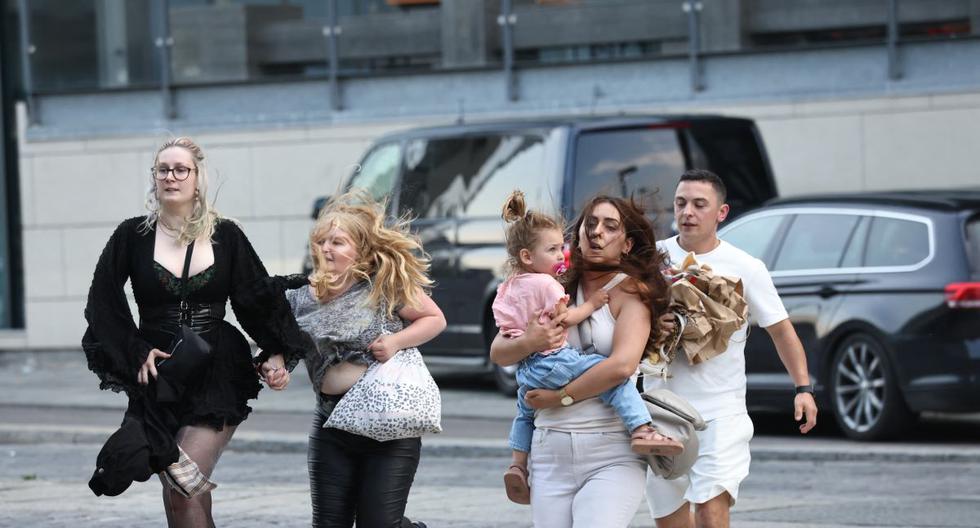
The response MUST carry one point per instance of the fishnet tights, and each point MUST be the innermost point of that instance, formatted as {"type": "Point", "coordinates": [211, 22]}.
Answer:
{"type": "Point", "coordinates": [204, 446]}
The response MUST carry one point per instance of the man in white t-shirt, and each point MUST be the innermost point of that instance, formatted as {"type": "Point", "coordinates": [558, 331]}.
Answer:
{"type": "Point", "coordinates": [716, 388]}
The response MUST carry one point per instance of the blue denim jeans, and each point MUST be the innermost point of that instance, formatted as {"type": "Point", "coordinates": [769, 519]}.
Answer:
{"type": "Point", "coordinates": [558, 369]}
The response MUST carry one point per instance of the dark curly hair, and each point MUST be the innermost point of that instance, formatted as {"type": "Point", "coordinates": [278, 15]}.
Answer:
{"type": "Point", "coordinates": [644, 263]}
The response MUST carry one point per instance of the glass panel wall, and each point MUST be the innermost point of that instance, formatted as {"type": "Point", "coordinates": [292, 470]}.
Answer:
{"type": "Point", "coordinates": [556, 32]}
{"type": "Point", "coordinates": [113, 44]}
{"type": "Point", "coordinates": [109, 44]}
{"type": "Point", "coordinates": [775, 23]}
{"type": "Point", "coordinates": [6, 268]}
{"type": "Point", "coordinates": [389, 36]}
{"type": "Point", "coordinates": [90, 44]}
{"type": "Point", "coordinates": [935, 19]}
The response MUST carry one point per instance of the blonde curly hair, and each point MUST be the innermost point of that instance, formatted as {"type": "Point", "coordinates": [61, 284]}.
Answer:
{"type": "Point", "coordinates": [204, 218]}
{"type": "Point", "coordinates": [389, 257]}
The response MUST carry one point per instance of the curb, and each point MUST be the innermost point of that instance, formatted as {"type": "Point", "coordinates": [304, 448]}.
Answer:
{"type": "Point", "coordinates": [468, 448]}
{"type": "Point", "coordinates": [121, 407]}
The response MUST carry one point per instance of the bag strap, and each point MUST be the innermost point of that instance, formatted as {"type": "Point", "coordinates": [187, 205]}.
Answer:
{"type": "Point", "coordinates": [183, 274]}
{"type": "Point", "coordinates": [613, 282]}
{"type": "Point", "coordinates": [585, 327]}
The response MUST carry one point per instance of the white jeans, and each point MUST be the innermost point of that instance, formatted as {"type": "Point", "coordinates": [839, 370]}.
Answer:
{"type": "Point", "coordinates": [584, 480]}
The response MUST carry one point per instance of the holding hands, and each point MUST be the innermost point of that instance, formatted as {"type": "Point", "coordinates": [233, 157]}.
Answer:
{"type": "Point", "coordinates": [273, 372]}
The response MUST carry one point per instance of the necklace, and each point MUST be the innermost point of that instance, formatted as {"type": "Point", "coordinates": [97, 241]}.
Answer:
{"type": "Point", "coordinates": [167, 229]}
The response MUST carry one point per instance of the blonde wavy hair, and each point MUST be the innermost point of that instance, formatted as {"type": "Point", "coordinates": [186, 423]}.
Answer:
{"type": "Point", "coordinates": [389, 257]}
{"type": "Point", "coordinates": [204, 218]}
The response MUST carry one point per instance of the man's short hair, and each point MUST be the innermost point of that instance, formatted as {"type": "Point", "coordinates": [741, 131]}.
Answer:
{"type": "Point", "coordinates": [704, 175]}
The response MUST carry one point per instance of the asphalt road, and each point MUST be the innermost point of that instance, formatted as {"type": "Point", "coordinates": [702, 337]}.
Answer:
{"type": "Point", "coordinates": [44, 486]}
{"type": "Point", "coordinates": [930, 477]}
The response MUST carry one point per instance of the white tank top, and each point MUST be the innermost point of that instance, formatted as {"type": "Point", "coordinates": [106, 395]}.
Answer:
{"type": "Point", "coordinates": [590, 415]}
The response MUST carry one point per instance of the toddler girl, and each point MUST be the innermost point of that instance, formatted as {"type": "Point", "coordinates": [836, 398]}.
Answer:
{"type": "Point", "coordinates": [534, 247]}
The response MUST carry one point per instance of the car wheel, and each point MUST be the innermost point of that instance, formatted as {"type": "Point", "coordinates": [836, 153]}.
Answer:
{"type": "Point", "coordinates": [505, 378]}
{"type": "Point", "coordinates": [864, 391]}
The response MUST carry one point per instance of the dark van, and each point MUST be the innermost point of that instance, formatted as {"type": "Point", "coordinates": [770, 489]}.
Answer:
{"type": "Point", "coordinates": [454, 180]}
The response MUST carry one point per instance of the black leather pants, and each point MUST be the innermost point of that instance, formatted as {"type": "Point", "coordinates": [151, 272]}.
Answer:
{"type": "Point", "coordinates": [354, 477]}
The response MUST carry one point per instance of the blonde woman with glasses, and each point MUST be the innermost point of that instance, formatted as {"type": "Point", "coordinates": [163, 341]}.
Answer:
{"type": "Point", "coordinates": [178, 426]}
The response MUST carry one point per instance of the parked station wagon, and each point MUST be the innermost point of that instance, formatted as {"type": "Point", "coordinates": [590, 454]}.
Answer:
{"type": "Point", "coordinates": [884, 292]}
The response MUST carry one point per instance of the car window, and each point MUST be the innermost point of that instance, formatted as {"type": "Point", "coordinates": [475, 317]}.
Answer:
{"type": "Point", "coordinates": [973, 243]}
{"type": "Point", "coordinates": [854, 254]}
{"type": "Point", "coordinates": [732, 150]}
{"type": "Point", "coordinates": [470, 175]}
{"type": "Point", "coordinates": [642, 162]}
{"type": "Point", "coordinates": [501, 164]}
{"type": "Point", "coordinates": [378, 171]}
{"type": "Point", "coordinates": [754, 236]}
{"type": "Point", "coordinates": [815, 241]}
{"type": "Point", "coordinates": [896, 242]}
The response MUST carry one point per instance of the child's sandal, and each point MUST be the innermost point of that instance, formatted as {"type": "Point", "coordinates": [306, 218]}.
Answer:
{"type": "Point", "coordinates": [515, 482]}
{"type": "Point", "coordinates": [643, 445]}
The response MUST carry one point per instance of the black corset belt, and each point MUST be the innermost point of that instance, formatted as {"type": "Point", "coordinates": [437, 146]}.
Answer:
{"type": "Point", "coordinates": [200, 317]}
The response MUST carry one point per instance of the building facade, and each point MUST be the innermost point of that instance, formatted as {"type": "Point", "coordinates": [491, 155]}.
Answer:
{"type": "Point", "coordinates": [284, 96]}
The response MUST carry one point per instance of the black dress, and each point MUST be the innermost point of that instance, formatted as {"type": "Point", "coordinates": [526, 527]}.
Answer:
{"type": "Point", "coordinates": [116, 347]}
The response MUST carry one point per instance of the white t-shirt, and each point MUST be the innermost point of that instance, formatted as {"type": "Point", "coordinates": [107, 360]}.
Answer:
{"type": "Point", "coordinates": [716, 388]}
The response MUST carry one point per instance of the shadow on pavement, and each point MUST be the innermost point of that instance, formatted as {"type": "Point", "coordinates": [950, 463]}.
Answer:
{"type": "Point", "coordinates": [930, 428]}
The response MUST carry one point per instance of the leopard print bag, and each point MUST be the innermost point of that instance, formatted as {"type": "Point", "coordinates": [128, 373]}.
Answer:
{"type": "Point", "coordinates": [392, 400]}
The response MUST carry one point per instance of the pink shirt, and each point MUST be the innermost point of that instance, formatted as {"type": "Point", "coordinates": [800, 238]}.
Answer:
{"type": "Point", "coordinates": [520, 296]}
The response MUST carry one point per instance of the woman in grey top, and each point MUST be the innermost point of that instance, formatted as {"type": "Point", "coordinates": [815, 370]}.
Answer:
{"type": "Point", "coordinates": [365, 300]}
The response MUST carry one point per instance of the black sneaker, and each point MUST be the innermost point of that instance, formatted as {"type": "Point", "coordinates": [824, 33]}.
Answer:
{"type": "Point", "coordinates": [419, 524]}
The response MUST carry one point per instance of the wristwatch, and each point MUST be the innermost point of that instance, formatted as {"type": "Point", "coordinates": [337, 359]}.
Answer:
{"type": "Point", "coordinates": [800, 389]}
{"type": "Point", "coordinates": [566, 400]}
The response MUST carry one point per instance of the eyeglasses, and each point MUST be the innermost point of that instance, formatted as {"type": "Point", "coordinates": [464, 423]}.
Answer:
{"type": "Point", "coordinates": [180, 173]}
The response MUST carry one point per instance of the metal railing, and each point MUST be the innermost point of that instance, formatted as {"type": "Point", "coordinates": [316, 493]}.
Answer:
{"type": "Point", "coordinates": [174, 45]}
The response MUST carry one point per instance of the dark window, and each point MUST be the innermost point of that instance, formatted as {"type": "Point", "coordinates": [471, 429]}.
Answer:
{"type": "Point", "coordinates": [756, 235]}
{"type": "Point", "coordinates": [6, 264]}
{"type": "Point", "coordinates": [86, 44]}
{"type": "Point", "coordinates": [815, 241]}
{"type": "Point", "coordinates": [896, 242]}
{"type": "Point", "coordinates": [973, 242]}
{"type": "Point", "coordinates": [854, 254]}
{"type": "Point", "coordinates": [731, 150]}
{"type": "Point", "coordinates": [642, 162]}
{"type": "Point", "coordinates": [472, 175]}
{"type": "Point", "coordinates": [378, 171]}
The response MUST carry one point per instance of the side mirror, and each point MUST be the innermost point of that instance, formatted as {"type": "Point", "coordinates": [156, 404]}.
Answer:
{"type": "Point", "coordinates": [318, 204]}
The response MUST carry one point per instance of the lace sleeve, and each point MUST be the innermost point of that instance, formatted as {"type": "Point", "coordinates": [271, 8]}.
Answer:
{"type": "Point", "coordinates": [259, 302]}
{"type": "Point", "coordinates": [112, 343]}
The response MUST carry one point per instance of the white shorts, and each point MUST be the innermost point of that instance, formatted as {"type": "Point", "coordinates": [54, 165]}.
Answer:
{"type": "Point", "coordinates": [722, 464]}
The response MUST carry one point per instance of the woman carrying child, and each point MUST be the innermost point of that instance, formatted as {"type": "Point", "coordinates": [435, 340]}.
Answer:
{"type": "Point", "coordinates": [599, 482]}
